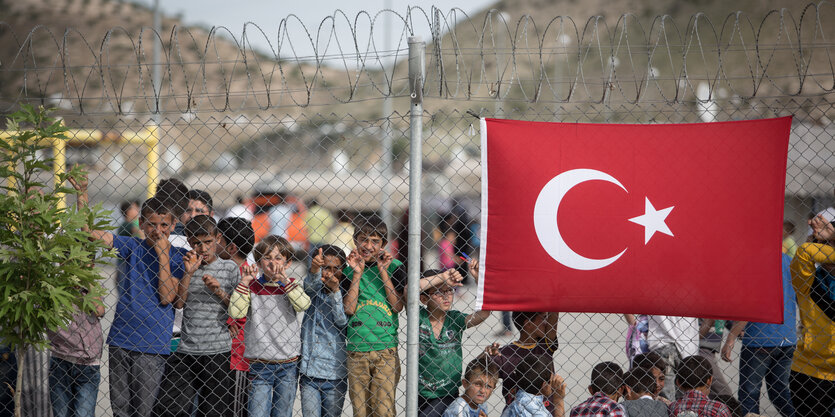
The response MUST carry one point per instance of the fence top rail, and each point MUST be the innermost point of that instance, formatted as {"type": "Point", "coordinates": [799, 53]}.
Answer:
{"type": "Point", "coordinates": [95, 136]}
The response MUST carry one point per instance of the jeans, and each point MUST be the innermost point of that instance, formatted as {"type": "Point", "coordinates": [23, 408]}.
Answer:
{"type": "Point", "coordinates": [507, 321]}
{"type": "Point", "coordinates": [134, 381]}
{"type": "Point", "coordinates": [322, 397]}
{"type": "Point", "coordinates": [73, 388]}
{"type": "Point", "coordinates": [773, 364]}
{"type": "Point", "coordinates": [272, 389]}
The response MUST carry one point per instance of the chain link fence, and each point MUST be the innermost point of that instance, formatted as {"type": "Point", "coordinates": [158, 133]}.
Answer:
{"type": "Point", "coordinates": [318, 150]}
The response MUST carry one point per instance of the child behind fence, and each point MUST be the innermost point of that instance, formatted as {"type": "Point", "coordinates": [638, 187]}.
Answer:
{"type": "Point", "coordinates": [235, 241]}
{"type": "Point", "coordinates": [440, 336]}
{"type": "Point", "coordinates": [640, 397]}
{"type": "Point", "coordinates": [695, 374]}
{"type": "Point", "coordinates": [270, 303]}
{"type": "Point", "coordinates": [537, 337]}
{"type": "Point", "coordinates": [538, 392]}
{"type": "Point", "coordinates": [373, 298]}
{"type": "Point", "coordinates": [74, 370]}
{"type": "Point", "coordinates": [140, 336]}
{"type": "Point", "coordinates": [479, 381]}
{"type": "Point", "coordinates": [606, 388]}
{"type": "Point", "coordinates": [323, 373]}
{"type": "Point", "coordinates": [200, 366]}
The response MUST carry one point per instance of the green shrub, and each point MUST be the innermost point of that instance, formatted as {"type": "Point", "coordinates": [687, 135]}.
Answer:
{"type": "Point", "coordinates": [46, 255]}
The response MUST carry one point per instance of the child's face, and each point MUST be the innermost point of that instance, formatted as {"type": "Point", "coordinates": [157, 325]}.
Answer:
{"type": "Point", "coordinates": [272, 263]}
{"type": "Point", "coordinates": [156, 226]}
{"type": "Point", "coordinates": [478, 389]}
{"type": "Point", "coordinates": [660, 378]}
{"type": "Point", "coordinates": [205, 246]}
{"type": "Point", "coordinates": [369, 246]}
{"type": "Point", "coordinates": [332, 267]}
{"type": "Point", "coordinates": [195, 208]}
{"type": "Point", "coordinates": [438, 298]}
{"type": "Point", "coordinates": [537, 326]}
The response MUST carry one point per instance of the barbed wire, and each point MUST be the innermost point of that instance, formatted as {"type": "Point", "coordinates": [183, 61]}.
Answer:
{"type": "Point", "coordinates": [482, 57]}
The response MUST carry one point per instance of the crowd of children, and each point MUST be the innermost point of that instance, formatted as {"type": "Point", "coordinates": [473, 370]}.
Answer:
{"type": "Point", "coordinates": [242, 352]}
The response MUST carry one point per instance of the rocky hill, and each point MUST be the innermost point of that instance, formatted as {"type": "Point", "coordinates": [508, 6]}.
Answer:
{"type": "Point", "coordinates": [93, 60]}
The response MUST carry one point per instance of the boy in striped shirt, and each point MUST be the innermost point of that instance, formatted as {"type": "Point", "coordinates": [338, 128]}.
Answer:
{"type": "Point", "coordinates": [270, 304]}
{"type": "Point", "coordinates": [201, 363]}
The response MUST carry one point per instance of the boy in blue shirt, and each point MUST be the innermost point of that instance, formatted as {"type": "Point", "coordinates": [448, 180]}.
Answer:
{"type": "Point", "coordinates": [324, 378]}
{"type": "Point", "coordinates": [140, 336]}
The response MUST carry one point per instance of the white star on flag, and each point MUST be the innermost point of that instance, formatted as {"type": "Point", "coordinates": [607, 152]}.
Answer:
{"type": "Point", "coordinates": [653, 220]}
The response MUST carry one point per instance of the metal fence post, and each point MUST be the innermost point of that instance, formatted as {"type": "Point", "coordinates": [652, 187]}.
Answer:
{"type": "Point", "coordinates": [416, 74]}
{"type": "Point", "coordinates": [153, 157]}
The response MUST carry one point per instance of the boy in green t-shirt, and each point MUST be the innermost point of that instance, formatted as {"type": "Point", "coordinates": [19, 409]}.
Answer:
{"type": "Point", "coordinates": [373, 289]}
{"type": "Point", "coordinates": [440, 334]}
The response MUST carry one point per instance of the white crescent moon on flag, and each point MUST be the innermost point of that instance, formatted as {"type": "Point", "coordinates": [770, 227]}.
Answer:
{"type": "Point", "coordinates": [547, 226]}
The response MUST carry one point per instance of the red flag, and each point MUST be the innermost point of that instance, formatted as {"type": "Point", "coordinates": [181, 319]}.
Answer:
{"type": "Point", "coordinates": [676, 219]}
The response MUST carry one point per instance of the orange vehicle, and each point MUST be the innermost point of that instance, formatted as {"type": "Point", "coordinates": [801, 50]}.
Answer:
{"type": "Point", "coordinates": [295, 233]}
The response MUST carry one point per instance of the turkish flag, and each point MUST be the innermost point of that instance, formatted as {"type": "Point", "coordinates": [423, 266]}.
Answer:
{"type": "Point", "coordinates": [674, 219]}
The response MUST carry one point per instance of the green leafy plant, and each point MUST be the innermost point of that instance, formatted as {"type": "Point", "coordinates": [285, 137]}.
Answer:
{"type": "Point", "coordinates": [46, 256]}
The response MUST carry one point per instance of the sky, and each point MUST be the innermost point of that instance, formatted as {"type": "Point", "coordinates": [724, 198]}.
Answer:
{"type": "Point", "coordinates": [267, 14]}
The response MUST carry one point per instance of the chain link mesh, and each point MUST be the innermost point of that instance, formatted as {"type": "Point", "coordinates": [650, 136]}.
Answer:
{"type": "Point", "coordinates": [316, 150]}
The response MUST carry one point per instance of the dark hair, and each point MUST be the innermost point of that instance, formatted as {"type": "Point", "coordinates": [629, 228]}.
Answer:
{"type": "Point", "coordinates": [343, 216]}
{"type": "Point", "coordinates": [154, 205]}
{"type": "Point", "coordinates": [331, 250]}
{"type": "Point", "coordinates": [648, 361]}
{"type": "Point", "coordinates": [431, 273]}
{"type": "Point", "coordinates": [201, 225]}
{"type": "Point", "coordinates": [239, 232]}
{"type": "Point", "coordinates": [521, 317]}
{"type": "Point", "coordinates": [174, 194]}
{"type": "Point", "coordinates": [482, 365]}
{"type": "Point", "coordinates": [606, 377]}
{"type": "Point", "coordinates": [694, 372]}
{"type": "Point", "coordinates": [267, 244]}
{"type": "Point", "coordinates": [640, 381]}
{"type": "Point", "coordinates": [532, 372]}
{"type": "Point", "coordinates": [372, 225]}
{"type": "Point", "coordinates": [788, 226]}
{"type": "Point", "coordinates": [203, 197]}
